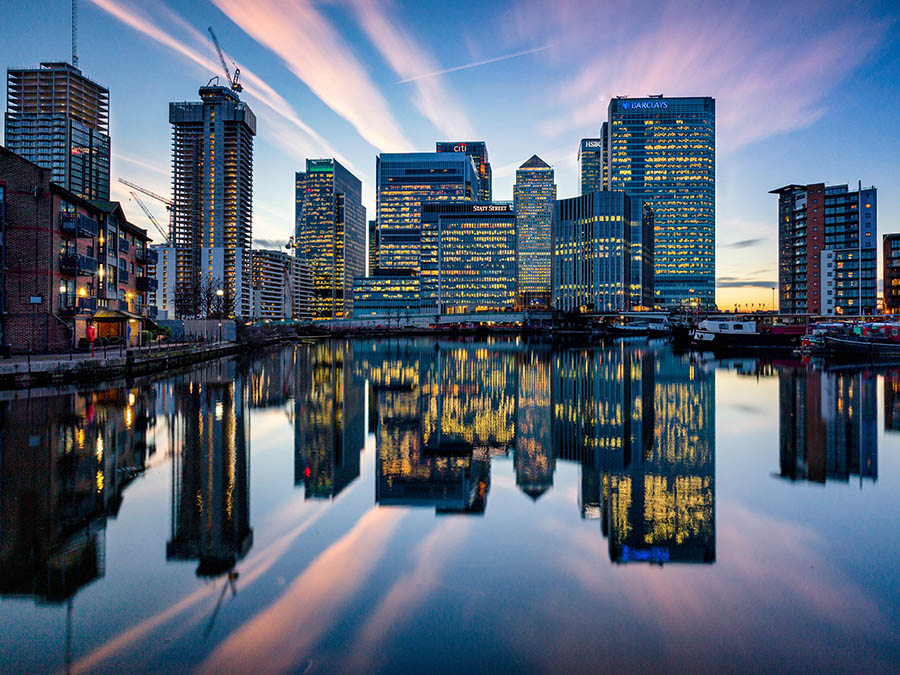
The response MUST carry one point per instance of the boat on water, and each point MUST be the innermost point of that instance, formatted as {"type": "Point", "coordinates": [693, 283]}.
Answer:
{"type": "Point", "coordinates": [731, 335]}
{"type": "Point", "coordinates": [858, 346]}
{"type": "Point", "coordinates": [627, 329]}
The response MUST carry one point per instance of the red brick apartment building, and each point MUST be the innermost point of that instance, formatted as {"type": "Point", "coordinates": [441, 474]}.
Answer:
{"type": "Point", "coordinates": [66, 263]}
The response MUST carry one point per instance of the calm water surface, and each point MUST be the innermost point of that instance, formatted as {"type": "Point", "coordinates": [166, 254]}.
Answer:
{"type": "Point", "coordinates": [413, 505]}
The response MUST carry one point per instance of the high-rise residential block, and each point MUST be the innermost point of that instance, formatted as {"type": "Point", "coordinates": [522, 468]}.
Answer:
{"type": "Point", "coordinates": [827, 258]}
{"type": "Point", "coordinates": [404, 181]}
{"type": "Point", "coordinates": [331, 234]}
{"type": "Point", "coordinates": [602, 253]}
{"type": "Point", "coordinates": [891, 272]}
{"type": "Point", "coordinates": [468, 257]}
{"type": "Point", "coordinates": [59, 119]}
{"type": "Point", "coordinates": [663, 150]}
{"type": "Point", "coordinates": [477, 150]}
{"type": "Point", "coordinates": [534, 196]}
{"type": "Point", "coordinates": [212, 191]}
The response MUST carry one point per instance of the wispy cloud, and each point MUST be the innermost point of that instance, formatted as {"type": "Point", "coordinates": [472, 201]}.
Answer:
{"type": "Point", "coordinates": [735, 52]}
{"type": "Point", "coordinates": [738, 282]}
{"type": "Point", "coordinates": [305, 137]}
{"type": "Point", "coordinates": [406, 57]}
{"type": "Point", "coordinates": [318, 55]}
{"type": "Point", "coordinates": [474, 64]}
{"type": "Point", "coordinates": [143, 163]}
{"type": "Point", "coordinates": [743, 243]}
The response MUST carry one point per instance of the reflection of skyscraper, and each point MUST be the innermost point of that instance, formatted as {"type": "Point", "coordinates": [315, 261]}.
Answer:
{"type": "Point", "coordinates": [828, 424]}
{"type": "Point", "coordinates": [534, 456]}
{"type": "Point", "coordinates": [329, 419]}
{"type": "Point", "coordinates": [892, 401]}
{"type": "Point", "coordinates": [211, 470]}
{"type": "Point", "coordinates": [65, 463]}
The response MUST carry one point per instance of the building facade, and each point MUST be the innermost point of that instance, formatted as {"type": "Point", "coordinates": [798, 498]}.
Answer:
{"type": "Point", "coordinates": [534, 196]}
{"type": "Point", "coordinates": [272, 285]}
{"type": "Point", "coordinates": [69, 263]}
{"type": "Point", "coordinates": [373, 247]}
{"type": "Point", "coordinates": [477, 150]}
{"type": "Point", "coordinates": [827, 258]}
{"type": "Point", "coordinates": [468, 257]}
{"type": "Point", "coordinates": [163, 298]}
{"type": "Point", "coordinates": [387, 294]}
{"type": "Point", "coordinates": [663, 150]}
{"type": "Point", "coordinates": [59, 119]}
{"type": "Point", "coordinates": [602, 253]}
{"type": "Point", "coordinates": [591, 165]}
{"type": "Point", "coordinates": [891, 272]}
{"type": "Point", "coordinates": [212, 192]}
{"type": "Point", "coordinates": [403, 182]}
{"type": "Point", "coordinates": [331, 234]}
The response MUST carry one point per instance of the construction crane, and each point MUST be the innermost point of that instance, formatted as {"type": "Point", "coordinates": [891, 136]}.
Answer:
{"type": "Point", "coordinates": [75, 33]}
{"type": "Point", "coordinates": [150, 216]}
{"type": "Point", "coordinates": [233, 81]}
{"type": "Point", "coordinates": [165, 200]}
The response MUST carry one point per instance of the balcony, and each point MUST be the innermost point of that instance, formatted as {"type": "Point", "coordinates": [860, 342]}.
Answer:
{"type": "Point", "coordinates": [87, 265]}
{"type": "Point", "coordinates": [66, 303]}
{"type": "Point", "coordinates": [86, 305]}
{"type": "Point", "coordinates": [146, 256]}
{"type": "Point", "coordinates": [124, 246]}
{"type": "Point", "coordinates": [78, 224]}
{"type": "Point", "coordinates": [71, 264]}
{"type": "Point", "coordinates": [123, 276]}
{"type": "Point", "coordinates": [144, 284]}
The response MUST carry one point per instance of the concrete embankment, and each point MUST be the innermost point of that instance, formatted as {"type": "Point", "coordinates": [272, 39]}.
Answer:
{"type": "Point", "coordinates": [22, 372]}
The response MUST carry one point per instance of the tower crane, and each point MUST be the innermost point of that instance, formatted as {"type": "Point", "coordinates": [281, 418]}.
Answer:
{"type": "Point", "coordinates": [233, 81]}
{"type": "Point", "coordinates": [150, 216]}
{"type": "Point", "coordinates": [165, 200]}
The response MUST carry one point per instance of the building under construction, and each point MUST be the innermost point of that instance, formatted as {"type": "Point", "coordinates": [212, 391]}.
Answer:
{"type": "Point", "coordinates": [59, 119]}
{"type": "Point", "coordinates": [212, 194]}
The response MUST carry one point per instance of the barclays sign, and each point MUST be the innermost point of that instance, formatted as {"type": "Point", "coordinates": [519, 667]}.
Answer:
{"type": "Point", "coordinates": [643, 105]}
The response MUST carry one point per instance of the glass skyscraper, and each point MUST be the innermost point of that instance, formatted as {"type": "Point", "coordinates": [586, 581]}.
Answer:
{"type": "Point", "coordinates": [59, 119]}
{"type": "Point", "coordinates": [477, 150]}
{"type": "Point", "coordinates": [602, 251]}
{"type": "Point", "coordinates": [404, 181]}
{"type": "Point", "coordinates": [212, 191]}
{"type": "Point", "coordinates": [534, 196]}
{"type": "Point", "coordinates": [331, 234]}
{"type": "Point", "coordinates": [663, 151]}
{"type": "Point", "coordinates": [468, 257]}
{"type": "Point", "coordinates": [591, 165]}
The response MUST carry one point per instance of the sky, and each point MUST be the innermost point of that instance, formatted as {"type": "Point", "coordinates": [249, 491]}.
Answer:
{"type": "Point", "coordinates": [805, 92]}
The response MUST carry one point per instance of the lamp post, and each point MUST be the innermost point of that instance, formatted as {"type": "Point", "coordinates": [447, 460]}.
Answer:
{"type": "Point", "coordinates": [219, 294]}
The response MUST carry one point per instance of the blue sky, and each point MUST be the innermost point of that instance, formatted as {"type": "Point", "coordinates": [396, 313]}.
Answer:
{"type": "Point", "coordinates": [805, 92]}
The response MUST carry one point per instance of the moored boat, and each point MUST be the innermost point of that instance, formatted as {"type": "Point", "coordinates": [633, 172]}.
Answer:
{"type": "Point", "coordinates": [730, 335]}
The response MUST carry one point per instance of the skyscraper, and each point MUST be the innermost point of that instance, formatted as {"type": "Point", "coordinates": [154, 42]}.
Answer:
{"type": "Point", "coordinates": [602, 253]}
{"type": "Point", "coordinates": [373, 247]}
{"type": "Point", "coordinates": [891, 272]}
{"type": "Point", "coordinates": [59, 119]}
{"type": "Point", "coordinates": [403, 182]}
{"type": "Point", "coordinates": [212, 191]}
{"type": "Point", "coordinates": [468, 257]}
{"type": "Point", "coordinates": [591, 165]}
{"type": "Point", "coordinates": [477, 150]}
{"type": "Point", "coordinates": [331, 234]}
{"type": "Point", "coordinates": [663, 150]}
{"type": "Point", "coordinates": [534, 196]}
{"type": "Point", "coordinates": [827, 259]}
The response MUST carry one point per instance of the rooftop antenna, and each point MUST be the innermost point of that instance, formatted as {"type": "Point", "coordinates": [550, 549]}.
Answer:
{"type": "Point", "coordinates": [75, 33]}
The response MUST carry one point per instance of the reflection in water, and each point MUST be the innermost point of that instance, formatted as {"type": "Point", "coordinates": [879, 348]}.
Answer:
{"type": "Point", "coordinates": [892, 401]}
{"type": "Point", "coordinates": [210, 468]}
{"type": "Point", "coordinates": [329, 412]}
{"type": "Point", "coordinates": [828, 425]}
{"type": "Point", "coordinates": [639, 422]}
{"type": "Point", "coordinates": [65, 461]}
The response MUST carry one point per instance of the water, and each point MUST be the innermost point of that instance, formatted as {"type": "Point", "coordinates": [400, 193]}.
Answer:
{"type": "Point", "coordinates": [412, 505]}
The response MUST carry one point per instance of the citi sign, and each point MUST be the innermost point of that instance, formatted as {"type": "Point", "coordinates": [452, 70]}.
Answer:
{"type": "Point", "coordinates": [459, 148]}
{"type": "Point", "coordinates": [644, 105]}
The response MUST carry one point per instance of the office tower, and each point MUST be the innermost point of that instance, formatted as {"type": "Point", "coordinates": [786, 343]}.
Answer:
{"type": "Point", "coordinates": [828, 425]}
{"type": "Point", "coordinates": [477, 150]}
{"type": "Point", "coordinates": [373, 247]}
{"type": "Point", "coordinates": [827, 260]}
{"type": "Point", "coordinates": [403, 182]}
{"type": "Point", "coordinates": [591, 165]}
{"type": "Point", "coordinates": [891, 272]}
{"type": "Point", "coordinates": [468, 257]}
{"type": "Point", "coordinates": [273, 285]}
{"type": "Point", "coordinates": [388, 294]}
{"type": "Point", "coordinates": [602, 255]}
{"type": "Point", "coordinates": [59, 119]}
{"type": "Point", "coordinates": [663, 151]}
{"type": "Point", "coordinates": [212, 191]}
{"type": "Point", "coordinates": [331, 234]}
{"type": "Point", "coordinates": [534, 195]}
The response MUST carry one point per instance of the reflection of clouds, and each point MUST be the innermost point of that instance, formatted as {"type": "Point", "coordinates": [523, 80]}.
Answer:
{"type": "Point", "coordinates": [409, 591]}
{"type": "Point", "coordinates": [277, 639]}
{"type": "Point", "coordinates": [251, 570]}
{"type": "Point", "coordinates": [754, 591]}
